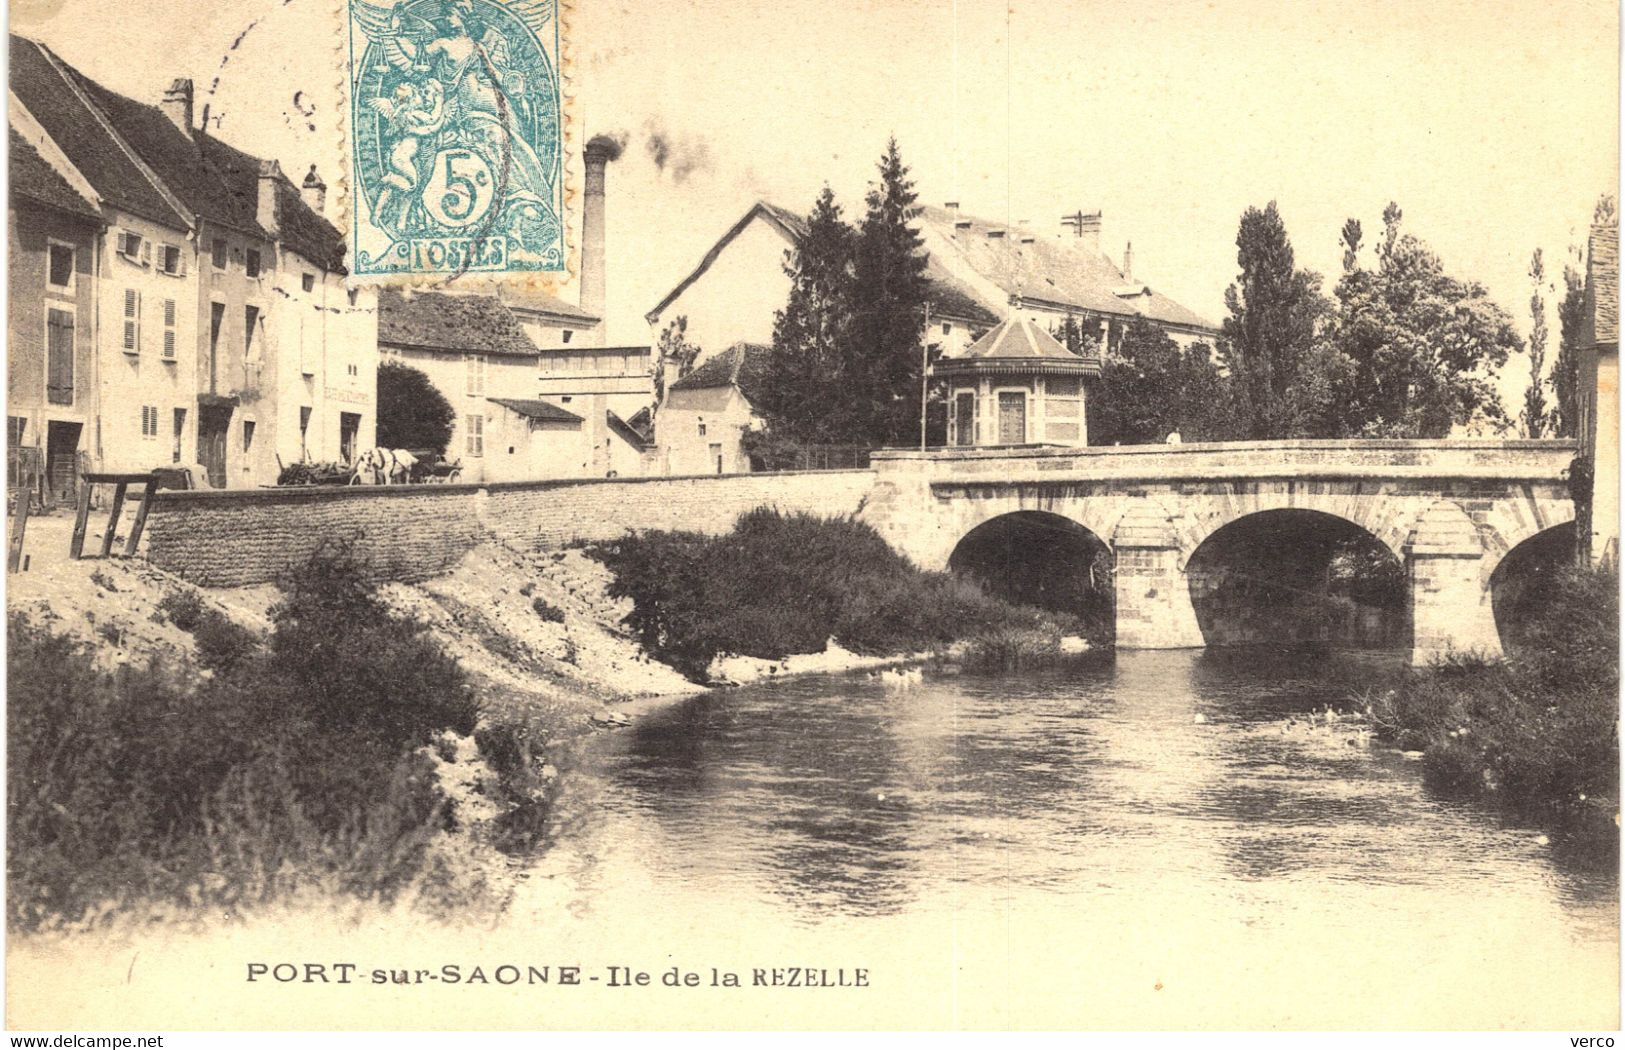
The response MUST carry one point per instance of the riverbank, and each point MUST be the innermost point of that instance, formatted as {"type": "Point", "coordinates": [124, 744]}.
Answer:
{"type": "Point", "coordinates": [1537, 734]}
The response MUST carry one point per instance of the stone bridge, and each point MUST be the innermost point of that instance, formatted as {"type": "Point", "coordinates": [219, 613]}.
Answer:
{"type": "Point", "coordinates": [1450, 512]}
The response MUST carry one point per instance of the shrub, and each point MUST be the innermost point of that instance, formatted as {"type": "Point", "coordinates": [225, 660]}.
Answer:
{"type": "Point", "coordinates": [788, 583]}
{"type": "Point", "coordinates": [183, 608]}
{"type": "Point", "coordinates": [222, 644]}
{"type": "Point", "coordinates": [547, 610]}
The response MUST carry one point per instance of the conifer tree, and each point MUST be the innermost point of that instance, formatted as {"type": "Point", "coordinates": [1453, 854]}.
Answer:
{"type": "Point", "coordinates": [1535, 415]}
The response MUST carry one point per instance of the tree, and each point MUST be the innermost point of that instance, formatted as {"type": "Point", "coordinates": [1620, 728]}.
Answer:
{"type": "Point", "coordinates": [1535, 414]}
{"type": "Point", "coordinates": [412, 413]}
{"type": "Point", "coordinates": [888, 304]}
{"type": "Point", "coordinates": [803, 395]}
{"type": "Point", "coordinates": [673, 353]}
{"type": "Point", "coordinates": [1566, 369]}
{"type": "Point", "coordinates": [1419, 348]}
{"type": "Point", "coordinates": [1149, 388]}
{"type": "Point", "coordinates": [1275, 309]}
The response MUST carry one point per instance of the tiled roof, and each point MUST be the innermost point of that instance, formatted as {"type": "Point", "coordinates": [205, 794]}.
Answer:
{"type": "Point", "coordinates": [542, 411]}
{"type": "Point", "coordinates": [215, 180]}
{"type": "Point", "coordinates": [1602, 284]}
{"type": "Point", "coordinates": [1019, 344]}
{"type": "Point", "coordinates": [541, 302]}
{"type": "Point", "coordinates": [741, 365]}
{"type": "Point", "coordinates": [477, 324]}
{"type": "Point", "coordinates": [33, 178]}
{"type": "Point", "coordinates": [949, 297]}
{"type": "Point", "coordinates": [49, 94]}
{"type": "Point", "coordinates": [1058, 270]}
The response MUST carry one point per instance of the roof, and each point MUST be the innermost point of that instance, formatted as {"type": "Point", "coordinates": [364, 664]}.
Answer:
{"type": "Point", "coordinates": [542, 411]}
{"type": "Point", "coordinates": [39, 80]}
{"type": "Point", "coordinates": [741, 365]}
{"type": "Point", "coordinates": [35, 179]}
{"type": "Point", "coordinates": [632, 435]}
{"type": "Point", "coordinates": [1019, 345]}
{"type": "Point", "coordinates": [948, 296]}
{"type": "Point", "coordinates": [543, 303]}
{"type": "Point", "coordinates": [477, 324]}
{"type": "Point", "coordinates": [1602, 284]}
{"type": "Point", "coordinates": [1063, 271]}
{"type": "Point", "coordinates": [217, 181]}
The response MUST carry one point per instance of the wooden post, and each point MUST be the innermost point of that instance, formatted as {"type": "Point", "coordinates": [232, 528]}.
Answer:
{"type": "Point", "coordinates": [77, 548]}
{"type": "Point", "coordinates": [19, 524]}
{"type": "Point", "coordinates": [112, 519]}
{"type": "Point", "coordinates": [147, 497]}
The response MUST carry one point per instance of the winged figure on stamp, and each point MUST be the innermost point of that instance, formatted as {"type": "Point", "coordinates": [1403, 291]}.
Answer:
{"type": "Point", "coordinates": [451, 94]}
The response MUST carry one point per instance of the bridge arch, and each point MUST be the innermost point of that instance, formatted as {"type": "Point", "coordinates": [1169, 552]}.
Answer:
{"type": "Point", "coordinates": [1527, 576]}
{"type": "Point", "coordinates": [1299, 575]}
{"type": "Point", "coordinates": [1043, 559]}
{"type": "Point", "coordinates": [1385, 518]}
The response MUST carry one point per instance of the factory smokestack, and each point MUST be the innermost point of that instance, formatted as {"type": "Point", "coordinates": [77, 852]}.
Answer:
{"type": "Point", "coordinates": [596, 157]}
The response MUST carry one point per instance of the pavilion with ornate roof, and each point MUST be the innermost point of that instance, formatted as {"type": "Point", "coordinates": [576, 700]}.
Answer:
{"type": "Point", "coordinates": [1017, 385]}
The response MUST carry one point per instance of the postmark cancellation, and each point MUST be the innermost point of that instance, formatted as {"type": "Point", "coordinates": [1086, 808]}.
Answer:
{"type": "Point", "coordinates": [456, 140]}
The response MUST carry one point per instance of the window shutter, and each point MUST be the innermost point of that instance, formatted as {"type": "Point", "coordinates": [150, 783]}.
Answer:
{"type": "Point", "coordinates": [59, 352]}
{"type": "Point", "coordinates": [169, 342]}
{"type": "Point", "coordinates": [132, 320]}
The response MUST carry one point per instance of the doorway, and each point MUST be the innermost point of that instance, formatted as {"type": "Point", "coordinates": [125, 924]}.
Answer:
{"type": "Point", "coordinates": [1012, 417]}
{"type": "Point", "coordinates": [62, 460]}
{"type": "Point", "coordinates": [212, 423]}
{"type": "Point", "coordinates": [965, 417]}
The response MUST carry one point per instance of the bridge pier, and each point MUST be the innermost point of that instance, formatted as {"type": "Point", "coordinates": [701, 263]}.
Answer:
{"type": "Point", "coordinates": [1154, 608]}
{"type": "Point", "coordinates": [1451, 608]}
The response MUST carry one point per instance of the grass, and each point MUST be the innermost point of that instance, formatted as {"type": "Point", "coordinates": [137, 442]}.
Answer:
{"type": "Point", "coordinates": [302, 761]}
{"type": "Point", "coordinates": [780, 584]}
{"type": "Point", "coordinates": [1538, 732]}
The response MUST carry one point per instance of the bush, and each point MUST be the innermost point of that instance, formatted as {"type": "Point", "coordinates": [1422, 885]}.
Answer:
{"type": "Point", "coordinates": [183, 608]}
{"type": "Point", "coordinates": [547, 611]}
{"type": "Point", "coordinates": [781, 584]}
{"type": "Point", "coordinates": [1538, 731]}
{"type": "Point", "coordinates": [293, 764]}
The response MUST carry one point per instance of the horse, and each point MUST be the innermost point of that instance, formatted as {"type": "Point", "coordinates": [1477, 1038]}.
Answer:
{"type": "Point", "coordinates": [383, 466]}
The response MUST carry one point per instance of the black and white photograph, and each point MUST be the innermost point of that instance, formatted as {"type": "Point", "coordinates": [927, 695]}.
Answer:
{"type": "Point", "coordinates": [816, 515]}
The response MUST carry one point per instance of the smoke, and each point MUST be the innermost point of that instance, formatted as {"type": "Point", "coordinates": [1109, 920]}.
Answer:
{"type": "Point", "coordinates": [679, 156]}
{"type": "Point", "coordinates": [612, 144]}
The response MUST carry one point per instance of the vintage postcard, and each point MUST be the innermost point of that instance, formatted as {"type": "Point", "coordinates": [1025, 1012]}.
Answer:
{"type": "Point", "coordinates": [823, 514]}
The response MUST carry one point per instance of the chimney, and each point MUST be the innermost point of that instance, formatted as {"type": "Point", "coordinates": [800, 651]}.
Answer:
{"type": "Point", "coordinates": [596, 156]}
{"type": "Point", "coordinates": [1128, 263]}
{"type": "Point", "coordinates": [953, 214]}
{"type": "Point", "coordinates": [995, 235]}
{"type": "Point", "coordinates": [267, 213]}
{"type": "Point", "coordinates": [177, 104]}
{"type": "Point", "coordinates": [1085, 227]}
{"type": "Point", "coordinates": [1024, 231]}
{"type": "Point", "coordinates": [314, 192]}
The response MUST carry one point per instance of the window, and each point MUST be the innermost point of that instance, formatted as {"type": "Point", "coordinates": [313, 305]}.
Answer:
{"type": "Point", "coordinates": [251, 318]}
{"type": "Point", "coordinates": [149, 421]}
{"type": "Point", "coordinates": [475, 425]}
{"type": "Point", "coordinates": [349, 431]}
{"type": "Point", "coordinates": [219, 253]}
{"type": "Point", "coordinates": [352, 294]}
{"type": "Point", "coordinates": [60, 268]}
{"type": "Point", "coordinates": [354, 370]}
{"type": "Point", "coordinates": [180, 431]}
{"type": "Point", "coordinates": [308, 282]}
{"type": "Point", "coordinates": [702, 430]}
{"type": "Point", "coordinates": [171, 261]}
{"type": "Point", "coordinates": [133, 247]}
{"type": "Point", "coordinates": [947, 329]}
{"type": "Point", "coordinates": [217, 317]}
{"type": "Point", "coordinates": [248, 438]}
{"type": "Point", "coordinates": [132, 321]}
{"type": "Point", "coordinates": [59, 357]}
{"type": "Point", "coordinates": [304, 427]}
{"type": "Point", "coordinates": [169, 329]}
{"type": "Point", "coordinates": [476, 375]}
{"type": "Point", "coordinates": [567, 335]}
{"type": "Point", "coordinates": [15, 425]}
{"type": "Point", "coordinates": [251, 262]}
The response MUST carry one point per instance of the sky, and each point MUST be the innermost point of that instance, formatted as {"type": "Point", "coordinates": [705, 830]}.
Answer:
{"type": "Point", "coordinates": [1493, 124]}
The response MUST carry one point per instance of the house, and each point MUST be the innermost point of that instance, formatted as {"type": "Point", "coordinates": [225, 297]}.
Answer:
{"type": "Point", "coordinates": [701, 426]}
{"type": "Point", "coordinates": [475, 351]}
{"type": "Point", "coordinates": [621, 374]}
{"type": "Point", "coordinates": [228, 337]}
{"type": "Point", "coordinates": [1599, 387]}
{"type": "Point", "coordinates": [1017, 385]}
{"type": "Point", "coordinates": [979, 272]}
{"type": "Point", "coordinates": [53, 228]}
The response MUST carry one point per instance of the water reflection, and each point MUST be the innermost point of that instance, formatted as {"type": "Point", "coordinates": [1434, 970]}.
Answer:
{"type": "Point", "coordinates": [832, 799]}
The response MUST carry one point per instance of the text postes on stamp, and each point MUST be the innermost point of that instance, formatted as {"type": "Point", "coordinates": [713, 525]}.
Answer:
{"type": "Point", "coordinates": [456, 138]}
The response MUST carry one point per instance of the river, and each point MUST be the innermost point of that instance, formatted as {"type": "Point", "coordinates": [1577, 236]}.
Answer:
{"type": "Point", "coordinates": [1156, 841]}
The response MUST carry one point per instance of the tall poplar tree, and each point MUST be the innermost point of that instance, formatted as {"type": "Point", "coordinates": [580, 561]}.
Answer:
{"type": "Point", "coordinates": [1535, 414]}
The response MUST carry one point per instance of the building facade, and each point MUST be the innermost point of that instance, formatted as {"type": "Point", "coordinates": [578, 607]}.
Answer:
{"type": "Point", "coordinates": [702, 425]}
{"type": "Point", "coordinates": [1599, 386]}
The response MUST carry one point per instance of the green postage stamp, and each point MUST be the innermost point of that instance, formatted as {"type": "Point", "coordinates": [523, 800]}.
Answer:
{"type": "Point", "coordinates": [456, 138]}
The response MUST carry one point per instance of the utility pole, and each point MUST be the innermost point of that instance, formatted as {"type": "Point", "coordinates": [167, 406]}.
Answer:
{"type": "Point", "coordinates": [925, 370]}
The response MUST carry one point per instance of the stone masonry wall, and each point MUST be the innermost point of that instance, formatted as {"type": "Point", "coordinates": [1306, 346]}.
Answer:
{"type": "Point", "coordinates": [223, 539]}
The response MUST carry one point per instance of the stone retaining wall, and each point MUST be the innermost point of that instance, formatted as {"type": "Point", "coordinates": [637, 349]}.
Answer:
{"type": "Point", "coordinates": [412, 532]}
